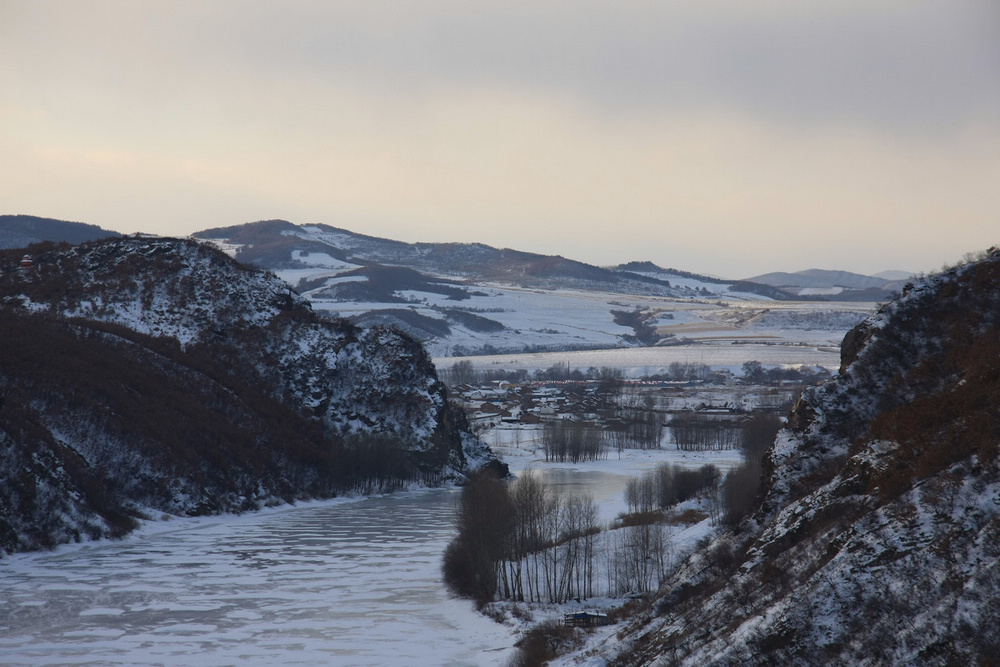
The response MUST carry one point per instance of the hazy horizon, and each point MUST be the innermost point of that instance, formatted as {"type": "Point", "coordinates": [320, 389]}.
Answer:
{"type": "Point", "coordinates": [887, 274]}
{"type": "Point", "coordinates": [719, 137]}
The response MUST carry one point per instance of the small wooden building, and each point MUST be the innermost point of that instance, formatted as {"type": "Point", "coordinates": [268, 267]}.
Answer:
{"type": "Point", "coordinates": [586, 619]}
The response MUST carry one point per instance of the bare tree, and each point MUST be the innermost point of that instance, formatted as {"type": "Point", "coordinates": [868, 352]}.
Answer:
{"type": "Point", "coordinates": [535, 511]}
{"type": "Point", "coordinates": [578, 525]}
{"type": "Point", "coordinates": [484, 520]}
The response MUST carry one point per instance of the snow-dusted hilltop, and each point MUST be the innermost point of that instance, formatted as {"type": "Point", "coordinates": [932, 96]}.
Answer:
{"type": "Point", "coordinates": [464, 299]}
{"type": "Point", "coordinates": [877, 537]}
{"type": "Point", "coordinates": [144, 375]}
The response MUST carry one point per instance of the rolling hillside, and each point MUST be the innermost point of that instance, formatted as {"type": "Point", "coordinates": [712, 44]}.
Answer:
{"type": "Point", "coordinates": [467, 299]}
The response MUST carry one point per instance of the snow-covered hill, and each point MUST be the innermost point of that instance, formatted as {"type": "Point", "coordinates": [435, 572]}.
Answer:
{"type": "Point", "coordinates": [467, 299]}
{"type": "Point", "coordinates": [143, 375]}
{"type": "Point", "coordinates": [877, 535]}
{"type": "Point", "coordinates": [835, 284]}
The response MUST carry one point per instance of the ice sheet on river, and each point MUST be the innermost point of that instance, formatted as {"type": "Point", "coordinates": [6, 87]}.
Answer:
{"type": "Point", "coordinates": [355, 583]}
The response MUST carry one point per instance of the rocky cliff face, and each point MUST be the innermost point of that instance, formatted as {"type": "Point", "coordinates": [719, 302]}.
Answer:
{"type": "Point", "coordinates": [147, 375]}
{"type": "Point", "coordinates": [877, 538]}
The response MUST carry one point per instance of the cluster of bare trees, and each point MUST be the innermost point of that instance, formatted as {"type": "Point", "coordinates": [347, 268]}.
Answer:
{"type": "Point", "coordinates": [678, 370]}
{"type": "Point", "coordinates": [463, 372]}
{"type": "Point", "coordinates": [753, 372]}
{"type": "Point", "coordinates": [573, 441]}
{"type": "Point", "coordinates": [695, 432]}
{"type": "Point", "coordinates": [639, 423]}
{"type": "Point", "coordinates": [639, 558]}
{"type": "Point", "coordinates": [666, 486]}
{"type": "Point", "coordinates": [521, 542]}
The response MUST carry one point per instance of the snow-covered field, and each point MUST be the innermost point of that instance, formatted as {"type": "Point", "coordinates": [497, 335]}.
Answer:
{"type": "Point", "coordinates": [569, 318]}
{"type": "Point", "coordinates": [639, 361]}
{"type": "Point", "coordinates": [530, 317]}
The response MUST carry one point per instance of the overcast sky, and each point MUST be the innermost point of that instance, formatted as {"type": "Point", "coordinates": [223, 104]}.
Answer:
{"type": "Point", "coordinates": [724, 137]}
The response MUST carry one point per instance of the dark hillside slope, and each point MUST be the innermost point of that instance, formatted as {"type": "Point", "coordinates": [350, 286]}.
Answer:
{"type": "Point", "coordinates": [877, 536]}
{"type": "Point", "coordinates": [158, 375]}
{"type": "Point", "coordinates": [98, 422]}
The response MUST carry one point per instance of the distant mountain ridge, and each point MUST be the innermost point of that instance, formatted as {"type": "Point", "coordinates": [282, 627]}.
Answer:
{"type": "Point", "coordinates": [450, 294]}
{"type": "Point", "coordinates": [271, 243]}
{"type": "Point", "coordinates": [818, 278]}
{"type": "Point", "coordinates": [815, 281]}
{"type": "Point", "coordinates": [894, 275]}
{"type": "Point", "coordinates": [20, 231]}
{"type": "Point", "coordinates": [650, 267]}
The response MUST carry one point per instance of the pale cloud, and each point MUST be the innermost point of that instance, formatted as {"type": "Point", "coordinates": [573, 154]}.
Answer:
{"type": "Point", "coordinates": [725, 137]}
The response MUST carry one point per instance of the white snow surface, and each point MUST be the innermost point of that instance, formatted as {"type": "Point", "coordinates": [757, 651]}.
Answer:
{"type": "Point", "coordinates": [565, 319]}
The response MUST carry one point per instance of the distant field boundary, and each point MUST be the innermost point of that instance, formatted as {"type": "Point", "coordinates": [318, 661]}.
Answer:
{"type": "Point", "coordinates": [642, 360]}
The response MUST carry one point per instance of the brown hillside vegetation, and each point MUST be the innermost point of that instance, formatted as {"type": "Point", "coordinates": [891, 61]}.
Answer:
{"type": "Point", "coordinates": [877, 535]}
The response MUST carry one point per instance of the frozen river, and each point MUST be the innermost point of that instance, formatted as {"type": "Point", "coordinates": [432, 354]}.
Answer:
{"type": "Point", "coordinates": [328, 583]}
{"type": "Point", "coordinates": [354, 583]}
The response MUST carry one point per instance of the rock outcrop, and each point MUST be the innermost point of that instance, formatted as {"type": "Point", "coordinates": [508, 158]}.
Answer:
{"type": "Point", "coordinates": [149, 375]}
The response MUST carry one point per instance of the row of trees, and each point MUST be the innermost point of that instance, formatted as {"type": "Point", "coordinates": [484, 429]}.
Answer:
{"type": "Point", "coordinates": [640, 423]}
{"type": "Point", "coordinates": [696, 432]}
{"type": "Point", "coordinates": [752, 372]}
{"type": "Point", "coordinates": [729, 501]}
{"type": "Point", "coordinates": [573, 441]}
{"type": "Point", "coordinates": [667, 485]}
{"type": "Point", "coordinates": [635, 423]}
{"type": "Point", "coordinates": [521, 542]}
{"type": "Point", "coordinates": [577, 441]}
{"type": "Point", "coordinates": [463, 372]}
